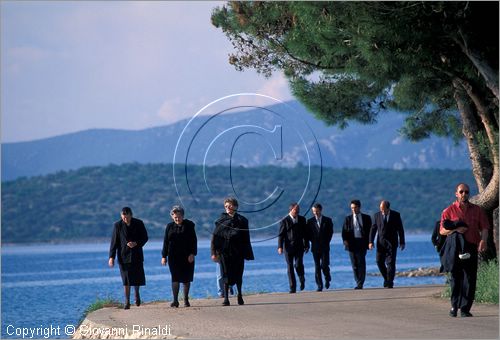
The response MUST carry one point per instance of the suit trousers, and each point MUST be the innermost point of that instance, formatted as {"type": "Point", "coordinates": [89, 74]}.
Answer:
{"type": "Point", "coordinates": [386, 262]}
{"type": "Point", "coordinates": [358, 262]}
{"type": "Point", "coordinates": [463, 280]}
{"type": "Point", "coordinates": [294, 260]}
{"type": "Point", "coordinates": [322, 264]}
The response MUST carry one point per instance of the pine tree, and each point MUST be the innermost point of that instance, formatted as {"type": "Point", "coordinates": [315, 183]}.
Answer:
{"type": "Point", "coordinates": [350, 61]}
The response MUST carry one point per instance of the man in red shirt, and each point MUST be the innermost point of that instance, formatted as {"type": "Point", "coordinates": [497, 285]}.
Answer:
{"type": "Point", "coordinates": [464, 275]}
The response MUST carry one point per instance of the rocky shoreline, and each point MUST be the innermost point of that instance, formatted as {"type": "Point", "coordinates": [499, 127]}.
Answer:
{"type": "Point", "coordinates": [431, 271]}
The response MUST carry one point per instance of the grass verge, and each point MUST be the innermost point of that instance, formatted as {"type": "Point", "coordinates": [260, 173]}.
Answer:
{"type": "Point", "coordinates": [487, 283]}
{"type": "Point", "coordinates": [98, 304]}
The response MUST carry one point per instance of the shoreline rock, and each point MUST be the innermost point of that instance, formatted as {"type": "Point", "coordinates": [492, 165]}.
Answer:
{"type": "Point", "coordinates": [431, 271]}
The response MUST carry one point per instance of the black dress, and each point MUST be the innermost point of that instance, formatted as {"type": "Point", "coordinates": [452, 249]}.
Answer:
{"type": "Point", "coordinates": [231, 244]}
{"type": "Point", "coordinates": [131, 260]}
{"type": "Point", "coordinates": [179, 242]}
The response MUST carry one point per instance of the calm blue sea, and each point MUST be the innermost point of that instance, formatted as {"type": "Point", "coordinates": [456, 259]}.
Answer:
{"type": "Point", "coordinates": [52, 285]}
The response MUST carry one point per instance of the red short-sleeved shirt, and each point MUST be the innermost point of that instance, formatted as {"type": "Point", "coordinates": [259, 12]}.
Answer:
{"type": "Point", "coordinates": [473, 216]}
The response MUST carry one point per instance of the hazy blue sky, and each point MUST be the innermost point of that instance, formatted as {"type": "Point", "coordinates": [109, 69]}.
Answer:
{"type": "Point", "coordinates": [69, 66]}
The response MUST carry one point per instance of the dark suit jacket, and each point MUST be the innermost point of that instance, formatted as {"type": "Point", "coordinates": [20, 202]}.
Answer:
{"type": "Point", "coordinates": [320, 238]}
{"type": "Point", "coordinates": [293, 237]}
{"type": "Point", "coordinates": [387, 235]}
{"type": "Point", "coordinates": [231, 237]}
{"type": "Point", "coordinates": [122, 234]}
{"type": "Point", "coordinates": [348, 231]}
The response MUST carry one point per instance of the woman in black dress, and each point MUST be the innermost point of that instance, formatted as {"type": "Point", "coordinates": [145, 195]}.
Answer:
{"type": "Point", "coordinates": [180, 248]}
{"type": "Point", "coordinates": [128, 238]}
{"type": "Point", "coordinates": [231, 247]}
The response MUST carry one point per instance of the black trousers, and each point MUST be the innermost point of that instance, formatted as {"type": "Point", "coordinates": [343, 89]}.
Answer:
{"type": "Point", "coordinates": [358, 262]}
{"type": "Point", "coordinates": [463, 280]}
{"type": "Point", "coordinates": [322, 264]}
{"type": "Point", "coordinates": [386, 261]}
{"type": "Point", "coordinates": [294, 260]}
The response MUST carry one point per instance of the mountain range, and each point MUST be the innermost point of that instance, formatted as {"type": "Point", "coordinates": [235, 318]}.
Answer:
{"type": "Point", "coordinates": [281, 135]}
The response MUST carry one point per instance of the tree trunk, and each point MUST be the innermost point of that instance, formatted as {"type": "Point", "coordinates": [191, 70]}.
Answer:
{"type": "Point", "coordinates": [481, 166]}
{"type": "Point", "coordinates": [486, 174]}
{"type": "Point", "coordinates": [488, 197]}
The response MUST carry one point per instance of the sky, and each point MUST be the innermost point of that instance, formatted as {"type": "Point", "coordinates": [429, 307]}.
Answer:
{"type": "Point", "coordinates": [68, 66]}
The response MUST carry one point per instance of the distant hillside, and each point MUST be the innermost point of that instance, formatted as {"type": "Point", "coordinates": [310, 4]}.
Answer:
{"type": "Point", "coordinates": [245, 138]}
{"type": "Point", "coordinates": [83, 204]}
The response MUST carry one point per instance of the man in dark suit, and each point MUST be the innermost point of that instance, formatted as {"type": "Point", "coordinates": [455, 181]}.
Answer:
{"type": "Point", "coordinates": [292, 239]}
{"type": "Point", "coordinates": [355, 233]}
{"type": "Point", "coordinates": [320, 232]}
{"type": "Point", "coordinates": [388, 226]}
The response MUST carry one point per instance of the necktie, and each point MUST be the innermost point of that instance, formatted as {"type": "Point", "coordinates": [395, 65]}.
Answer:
{"type": "Point", "coordinates": [358, 226]}
{"type": "Point", "coordinates": [385, 219]}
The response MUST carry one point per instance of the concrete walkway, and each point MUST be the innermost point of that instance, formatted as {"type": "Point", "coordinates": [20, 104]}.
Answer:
{"type": "Point", "coordinates": [376, 313]}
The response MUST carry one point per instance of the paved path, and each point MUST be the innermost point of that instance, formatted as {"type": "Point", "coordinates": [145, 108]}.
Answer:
{"type": "Point", "coordinates": [377, 313]}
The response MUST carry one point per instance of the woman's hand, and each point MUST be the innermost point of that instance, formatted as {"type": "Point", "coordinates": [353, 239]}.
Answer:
{"type": "Point", "coordinates": [191, 258]}
{"type": "Point", "coordinates": [215, 258]}
{"type": "Point", "coordinates": [163, 261]}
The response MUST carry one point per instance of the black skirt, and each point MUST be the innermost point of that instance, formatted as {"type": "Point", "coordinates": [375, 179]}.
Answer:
{"type": "Point", "coordinates": [180, 268]}
{"type": "Point", "coordinates": [232, 268]}
{"type": "Point", "coordinates": [133, 274]}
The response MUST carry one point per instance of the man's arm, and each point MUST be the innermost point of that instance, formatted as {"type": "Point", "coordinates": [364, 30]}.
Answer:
{"type": "Point", "coordinates": [281, 236]}
{"type": "Point", "coordinates": [483, 244]}
{"type": "Point", "coordinates": [373, 231]}
{"type": "Point", "coordinates": [484, 228]}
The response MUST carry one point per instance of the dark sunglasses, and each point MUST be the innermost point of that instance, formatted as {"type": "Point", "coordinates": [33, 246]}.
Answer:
{"type": "Point", "coordinates": [463, 191]}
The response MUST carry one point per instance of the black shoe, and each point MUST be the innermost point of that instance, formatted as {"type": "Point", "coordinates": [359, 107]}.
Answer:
{"type": "Point", "coordinates": [465, 314]}
{"type": "Point", "coordinates": [327, 284]}
{"type": "Point", "coordinates": [386, 284]}
{"type": "Point", "coordinates": [226, 302]}
{"type": "Point", "coordinates": [453, 313]}
{"type": "Point", "coordinates": [240, 300]}
{"type": "Point", "coordinates": [186, 303]}
{"type": "Point", "coordinates": [127, 306]}
{"type": "Point", "coordinates": [174, 304]}
{"type": "Point", "coordinates": [358, 287]}
{"type": "Point", "coordinates": [137, 301]}
{"type": "Point", "coordinates": [292, 291]}
{"type": "Point", "coordinates": [302, 284]}
{"type": "Point", "coordinates": [319, 289]}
